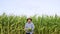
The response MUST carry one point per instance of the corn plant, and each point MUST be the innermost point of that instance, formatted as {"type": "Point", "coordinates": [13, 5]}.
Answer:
{"type": "Point", "coordinates": [43, 25]}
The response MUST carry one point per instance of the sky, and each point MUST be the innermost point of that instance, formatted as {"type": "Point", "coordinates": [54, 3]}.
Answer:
{"type": "Point", "coordinates": [30, 7]}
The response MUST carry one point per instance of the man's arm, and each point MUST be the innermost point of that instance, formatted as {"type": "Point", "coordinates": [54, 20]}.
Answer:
{"type": "Point", "coordinates": [33, 26]}
{"type": "Point", "coordinates": [25, 26]}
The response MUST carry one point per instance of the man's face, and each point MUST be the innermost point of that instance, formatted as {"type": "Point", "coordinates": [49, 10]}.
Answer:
{"type": "Point", "coordinates": [29, 21]}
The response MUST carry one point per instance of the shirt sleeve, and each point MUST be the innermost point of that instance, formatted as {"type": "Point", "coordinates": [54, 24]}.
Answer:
{"type": "Point", "coordinates": [33, 26]}
{"type": "Point", "coordinates": [25, 26]}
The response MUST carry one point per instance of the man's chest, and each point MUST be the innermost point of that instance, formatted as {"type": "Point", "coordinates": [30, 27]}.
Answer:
{"type": "Point", "coordinates": [29, 26]}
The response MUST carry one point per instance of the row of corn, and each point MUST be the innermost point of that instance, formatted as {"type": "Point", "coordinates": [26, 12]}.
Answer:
{"type": "Point", "coordinates": [43, 24]}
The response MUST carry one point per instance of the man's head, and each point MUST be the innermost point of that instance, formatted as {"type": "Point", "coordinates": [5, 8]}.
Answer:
{"type": "Point", "coordinates": [29, 20]}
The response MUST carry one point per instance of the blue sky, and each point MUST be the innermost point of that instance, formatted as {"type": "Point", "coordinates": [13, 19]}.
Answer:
{"type": "Point", "coordinates": [30, 7]}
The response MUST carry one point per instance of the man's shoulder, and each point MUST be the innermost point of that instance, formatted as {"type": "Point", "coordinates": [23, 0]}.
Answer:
{"type": "Point", "coordinates": [32, 23]}
{"type": "Point", "coordinates": [26, 23]}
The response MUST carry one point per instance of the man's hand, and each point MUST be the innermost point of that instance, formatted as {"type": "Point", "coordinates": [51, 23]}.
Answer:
{"type": "Point", "coordinates": [28, 29]}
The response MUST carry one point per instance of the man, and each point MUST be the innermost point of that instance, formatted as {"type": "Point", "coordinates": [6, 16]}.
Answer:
{"type": "Point", "coordinates": [29, 26]}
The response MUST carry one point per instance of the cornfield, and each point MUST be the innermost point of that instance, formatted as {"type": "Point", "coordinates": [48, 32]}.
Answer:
{"type": "Point", "coordinates": [43, 25]}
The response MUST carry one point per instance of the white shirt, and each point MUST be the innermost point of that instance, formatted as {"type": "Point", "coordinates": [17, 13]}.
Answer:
{"type": "Point", "coordinates": [29, 25]}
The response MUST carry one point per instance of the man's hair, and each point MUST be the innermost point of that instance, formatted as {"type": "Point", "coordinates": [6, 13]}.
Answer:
{"type": "Point", "coordinates": [29, 19]}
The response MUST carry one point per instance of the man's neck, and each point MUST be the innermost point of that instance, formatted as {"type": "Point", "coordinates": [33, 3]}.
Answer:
{"type": "Point", "coordinates": [29, 22]}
